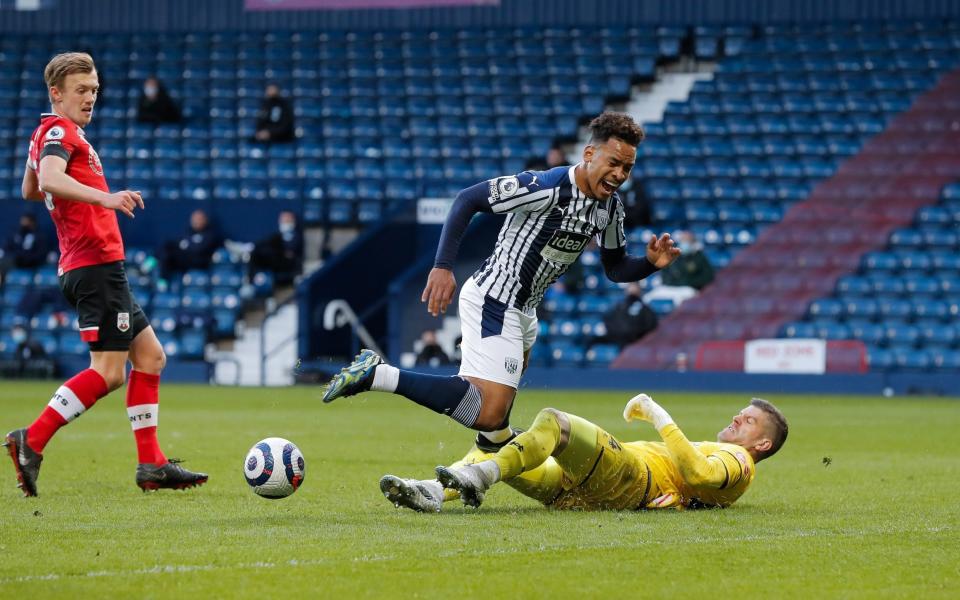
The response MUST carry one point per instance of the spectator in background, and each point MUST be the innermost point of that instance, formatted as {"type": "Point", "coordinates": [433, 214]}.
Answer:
{"type": "Point", "coordinates": [195, 249]}
{"type": "Point", "coordinates": [155, 105]}
{"type": "Point", "coordinates": [692, 268]}
{"type": "Point", "coordinates": [282, 252]}
{"type": "Point", "coordinates": [25, 249]}
{"type": "Point", "coordinates": [431, 353]}
{"type": "Point", "coordinates": [29, 357]}
{"type": "Point", "coordinates": [275, 119]}
{"type": "Point", "coordinates": [554, 158]}
{"type": "Point", "coordinates": [630, 319]}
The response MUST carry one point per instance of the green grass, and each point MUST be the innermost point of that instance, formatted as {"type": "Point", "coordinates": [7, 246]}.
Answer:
{"type": "Point", "coordinates": [880, 521]}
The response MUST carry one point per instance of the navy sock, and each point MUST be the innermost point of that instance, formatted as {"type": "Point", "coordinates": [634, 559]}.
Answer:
{"type": "Point", "coordinates": [451, 396]}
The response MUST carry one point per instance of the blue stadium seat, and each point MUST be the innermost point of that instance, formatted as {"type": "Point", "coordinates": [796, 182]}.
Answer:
{"type": "Point", "coordinates": [567, 355]}
{"type": "Point", "coordinates": [800, 329]}
{"type": "Point", "coordinates": [600, 355]}
{"type": "Point", "coordinates": [192, 342]}
{"type": "Point", "coordinates": [910, 359]}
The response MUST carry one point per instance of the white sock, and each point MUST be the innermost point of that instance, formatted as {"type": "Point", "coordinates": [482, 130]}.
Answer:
{"type": "Point", "coordinates": [498, 436]}
{"type": "Point", "coordinates": [489, 471]}
{"type": "Point", "coordinates": [385, 379]}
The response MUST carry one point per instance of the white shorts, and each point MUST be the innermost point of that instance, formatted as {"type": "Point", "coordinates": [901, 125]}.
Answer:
{"type": "Point", "coordinates": [495, 337]}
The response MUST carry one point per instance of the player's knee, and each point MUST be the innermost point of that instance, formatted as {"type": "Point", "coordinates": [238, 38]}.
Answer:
{"type": "Point", "coordinates": [549, 414]}
{"type": "Point", "coordinates": [114, 378]}
{"type": "Point", "coordinates": [554, 418]}
{"type": "Point", "coordinates": [152, 361]}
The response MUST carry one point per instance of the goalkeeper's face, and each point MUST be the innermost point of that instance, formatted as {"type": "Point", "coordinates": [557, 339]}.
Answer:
{"type": "Point", "coordinates": [749, 428]}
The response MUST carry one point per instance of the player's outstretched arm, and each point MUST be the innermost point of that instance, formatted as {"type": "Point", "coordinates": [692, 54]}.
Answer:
{"type": "Point", "coordinates": [441, 284]}
{"type": "Point", "coordinates": [622, 267]}
{"type": "Point", "coordinates": [695, 468]}
{"type": "Point", "coordinates": [439, 291]}
{"type": "Point", "coordinates": [54, 180]}
{"type": "Point", "coordinates": [662, 251]}
{"type": "Point", "coordinates": [30, 186]}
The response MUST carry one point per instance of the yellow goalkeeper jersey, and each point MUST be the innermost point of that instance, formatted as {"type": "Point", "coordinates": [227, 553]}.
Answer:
{"type": "Point", "coordinates": [701, 474]}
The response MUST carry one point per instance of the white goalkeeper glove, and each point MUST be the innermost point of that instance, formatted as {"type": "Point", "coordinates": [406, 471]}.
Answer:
{"type": "Point", "coordinates": [644, 408]}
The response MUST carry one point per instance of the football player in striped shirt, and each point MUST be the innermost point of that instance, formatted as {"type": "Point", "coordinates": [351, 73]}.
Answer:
{"type": "Point", "coordinates": [550, 217]}
{"type": "Point", "coordinates": [566, 462]}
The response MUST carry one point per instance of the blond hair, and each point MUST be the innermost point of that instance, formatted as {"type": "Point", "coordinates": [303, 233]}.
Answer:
{"type": "Point", "coordinates": [65, 64]}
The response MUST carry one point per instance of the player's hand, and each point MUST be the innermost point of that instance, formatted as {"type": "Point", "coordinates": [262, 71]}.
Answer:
{"type": "Point", "coordinates": [663, 251]}
{"type": "Point", "coordinates": [666, 501]}
{"type": "Point", "coordinates": [124, 202]}
{"type": "Point", "coordinates": [643, 407]}
{"type": "Point", "coordinates": [441, 285]}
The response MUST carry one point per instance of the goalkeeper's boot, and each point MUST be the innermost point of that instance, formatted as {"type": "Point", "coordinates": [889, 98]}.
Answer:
{"type": "Point", "coordinates": [467, 480]}
{"type": "Point", "coordinates": [26, 461]}
{"type": "Point", "coordinates": [421, 496]}
{"type": "Point", "coordinates": [170, 476]}
{"type": "Point", "coordinates": [355, 378]}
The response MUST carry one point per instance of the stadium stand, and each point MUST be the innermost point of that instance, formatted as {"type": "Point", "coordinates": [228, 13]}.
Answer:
{"type": "Point", "coordinates": [378, 113]}
{"type": "Point", "coordinates": [869, 84]}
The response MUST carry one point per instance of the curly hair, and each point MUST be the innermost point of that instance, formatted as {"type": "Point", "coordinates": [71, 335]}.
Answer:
{"type": "Point", "coordinates": [616, 125]}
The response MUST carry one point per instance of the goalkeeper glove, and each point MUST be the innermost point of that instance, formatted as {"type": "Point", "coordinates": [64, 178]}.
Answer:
{"type": "Point", "coordinates": [644, 408]}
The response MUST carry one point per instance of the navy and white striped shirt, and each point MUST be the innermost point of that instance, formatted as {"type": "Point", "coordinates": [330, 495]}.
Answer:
{"type": "Point", "coordinates": [549, 222]}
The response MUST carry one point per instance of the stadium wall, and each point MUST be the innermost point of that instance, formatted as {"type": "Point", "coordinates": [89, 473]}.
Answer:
{"type": "Point", "coordinates": [870, 384]}
{"type": "Point", "coordinates": [78, 16]}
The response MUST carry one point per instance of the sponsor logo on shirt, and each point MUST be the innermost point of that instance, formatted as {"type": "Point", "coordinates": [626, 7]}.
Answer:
{"type": "Point", "coordinates": [565, 246]}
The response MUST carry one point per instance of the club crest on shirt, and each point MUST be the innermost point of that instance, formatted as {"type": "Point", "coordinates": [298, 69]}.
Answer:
{"type": "Point", "coordinates": [511, 365]}
{"type": "Point", "coordinates": [123, 321]}
{"type": "Point", "coordinates": [603, 218]}
{"type": "Point", "coordinates": [93, 159]}
{"type": "Point", "coordinates": [743, 463]}
{"type": "Point", "coordinates": [54, 133]}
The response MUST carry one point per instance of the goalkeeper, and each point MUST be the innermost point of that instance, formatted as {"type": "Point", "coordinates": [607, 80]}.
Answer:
{"type": "Point", "coordinates": [567, 462]}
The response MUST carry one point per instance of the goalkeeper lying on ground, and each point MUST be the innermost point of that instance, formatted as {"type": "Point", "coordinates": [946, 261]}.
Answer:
{"type": "Point", "coordinates": [567, 462]}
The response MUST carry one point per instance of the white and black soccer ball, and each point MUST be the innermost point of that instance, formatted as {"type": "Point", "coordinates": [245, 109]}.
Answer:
{"type": "Point", "coordinates": [274, 468]}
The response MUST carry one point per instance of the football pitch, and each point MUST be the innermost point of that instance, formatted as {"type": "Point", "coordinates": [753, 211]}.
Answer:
{"type": "Point", "coordinates": [862, 501]}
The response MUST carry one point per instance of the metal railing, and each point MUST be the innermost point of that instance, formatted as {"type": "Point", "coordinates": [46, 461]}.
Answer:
{"type": "Point", "coordinates": [266, 354]}
{"type": "Point", "coordinates": [338, 313]}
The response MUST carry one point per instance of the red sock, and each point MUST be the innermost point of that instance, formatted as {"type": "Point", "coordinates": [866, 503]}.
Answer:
{"type": "Point", "coordinates": [69, 402]}
{"type": "Point", "coordinates": [143, 404]}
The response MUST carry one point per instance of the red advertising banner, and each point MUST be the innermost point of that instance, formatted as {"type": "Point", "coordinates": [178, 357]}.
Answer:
{"type": "Point", "coordinates": [356, 4]}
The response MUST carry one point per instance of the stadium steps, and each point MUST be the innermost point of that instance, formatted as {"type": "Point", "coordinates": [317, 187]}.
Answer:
{"type": "Point", "coordinates": [800, 258]}
{"type": "Point", "coordinates": [241, 365]}
{"type": "Point", "coordinates": [649, 106]}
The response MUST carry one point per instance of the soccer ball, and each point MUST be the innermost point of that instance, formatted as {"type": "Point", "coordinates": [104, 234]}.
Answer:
{"type": "Point", "coordinates": [274, 468]}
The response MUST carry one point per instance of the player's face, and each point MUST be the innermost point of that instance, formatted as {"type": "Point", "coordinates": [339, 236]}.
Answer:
{"type": "Point", "coordinates": [747, 429]}
{"type": "Point", "coordinates": [76, 97]}
{"type": "Point", "coordinates": [608, 165]}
